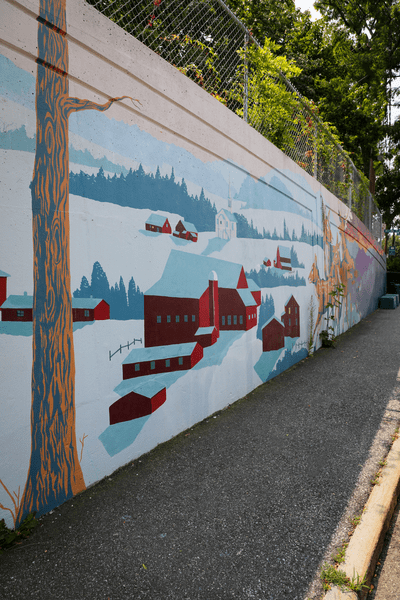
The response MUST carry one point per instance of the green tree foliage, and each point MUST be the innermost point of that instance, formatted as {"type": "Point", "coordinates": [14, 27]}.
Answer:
{"type": "Point", "coordinates": [271, 106]}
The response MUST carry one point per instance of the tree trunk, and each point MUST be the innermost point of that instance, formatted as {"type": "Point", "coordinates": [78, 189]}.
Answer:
{"type": "Point", "coordinates": [54, 473]}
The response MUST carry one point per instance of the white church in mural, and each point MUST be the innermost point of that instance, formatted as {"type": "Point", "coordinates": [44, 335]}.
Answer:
{"type": "Point", "coordinates": [225, 224]}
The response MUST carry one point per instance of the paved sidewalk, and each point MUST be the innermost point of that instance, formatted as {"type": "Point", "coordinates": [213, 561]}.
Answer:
{"type": "Point", "coordinates": [243, 505]}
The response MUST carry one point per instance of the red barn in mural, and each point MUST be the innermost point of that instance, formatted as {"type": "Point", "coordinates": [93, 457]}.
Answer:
{"type": "Point", "coordinates": [291, 318]}
{"type": "Point", "coordinates": [186, 231]}
{"type": "Point", "coordinates": [3, 286]}
{"type": "Point", "coordinates": [19, 308]}
{"type": "Point", "coordinates": [195, 295]}
{"type": "Point", "coordinates": [158, 223]}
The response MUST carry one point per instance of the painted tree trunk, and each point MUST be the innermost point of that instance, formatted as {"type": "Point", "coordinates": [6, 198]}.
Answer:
{"type": "Point", "coordinates": [54, 473]}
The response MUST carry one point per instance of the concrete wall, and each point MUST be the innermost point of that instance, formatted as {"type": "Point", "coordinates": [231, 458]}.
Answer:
{"type": "Point", "coordinates": [171, 150]}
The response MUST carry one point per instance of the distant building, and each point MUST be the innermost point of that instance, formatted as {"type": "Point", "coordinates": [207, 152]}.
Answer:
{"type": "Point", "coordinates": [158, 223]}
{"type": "Point", "coordinates": [267, 262]}
{"type": "Point", "coordinates": [283, 259]}
{"type": "Point", "coordinates": [20, 308]}
{"type": "Point", "coordinates": [291, 318]}
{"type": "Point", "coordinates": [225, 225]}
{"type": "Point", "coordinates": [186, 231]}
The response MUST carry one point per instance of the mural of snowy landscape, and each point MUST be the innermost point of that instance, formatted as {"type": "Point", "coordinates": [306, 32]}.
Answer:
{"type": "Point", "coordinates": [192, 283]}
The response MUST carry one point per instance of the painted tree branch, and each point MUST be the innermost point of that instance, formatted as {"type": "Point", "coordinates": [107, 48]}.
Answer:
{"type": "Point", "coordinates": [72, 105]}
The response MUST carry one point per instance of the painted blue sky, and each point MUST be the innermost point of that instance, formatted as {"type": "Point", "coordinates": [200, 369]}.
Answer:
{"type": "Point", "coordinates": [129, 141]}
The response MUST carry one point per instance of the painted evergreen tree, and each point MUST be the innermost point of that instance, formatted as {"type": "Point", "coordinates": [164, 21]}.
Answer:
{"type": "Point", "coordinates": [54, 473]}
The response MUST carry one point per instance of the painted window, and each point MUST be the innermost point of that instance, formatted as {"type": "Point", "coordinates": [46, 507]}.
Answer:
{"type": "Point", "coordinates": [235, 319]}
{"type": "Point", "coordinates": [180, 360]}
{"type": "Point", "coordinates": [193, 318]}
{"type": "Point", "coordinates": [289, 310]}
{"type": "Point", "coordinates": [159, 319]}
{"type": "Point", "coordinates": [290, 322]}
{"type": "Point", "coordinates": [152, 365]}
{"type": "Point", "coordinates": [185, 318]}
{"type": "Point", "coordinates": [297, 322]}
{"type": "Point", "coordinates": [241, 319]}
{"type": "Point", "coordinates": [167, 362]}
{"type": "Point", "coordinates": [229, 320]}
{"type": "Point", "coordinates": [295, 309]}
{"type": "Point", "coordinates": [168, 318]}
{"type": "Point", "coordinates": [176, 318]}
{"type": "Point", "coordinates": [223, 320]}
{"type": "Point", "coordinates": [137, 367]}
{"type": "Point", "coordinates": [20, 313]}
{"type": "Point", "coordinates": [86, 313]}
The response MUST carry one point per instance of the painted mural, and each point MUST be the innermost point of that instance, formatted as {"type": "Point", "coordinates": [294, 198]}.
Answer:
{"type": "Point", "coordinates": [159, 287]}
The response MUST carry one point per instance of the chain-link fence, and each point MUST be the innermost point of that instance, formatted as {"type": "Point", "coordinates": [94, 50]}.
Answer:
{"type": "Point", "coordinates": [208, 43]}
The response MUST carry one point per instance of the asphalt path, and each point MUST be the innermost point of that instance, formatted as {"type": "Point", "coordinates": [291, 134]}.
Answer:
{"type": "Point", "coordinates": [243, 505]}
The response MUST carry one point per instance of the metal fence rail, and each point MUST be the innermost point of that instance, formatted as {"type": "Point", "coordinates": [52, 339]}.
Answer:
{"type": "Point", "coordinates": [211, 46]}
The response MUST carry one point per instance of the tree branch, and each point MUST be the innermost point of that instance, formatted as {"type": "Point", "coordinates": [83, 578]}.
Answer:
{"type": "Point", "coordinates": [76, 104]}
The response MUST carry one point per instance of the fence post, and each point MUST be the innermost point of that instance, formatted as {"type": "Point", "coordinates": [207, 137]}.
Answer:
{"type": "Point", "coordinates": [316, 152]}
{"type": "Point", "coordinates": [246, 79]}
{"type": "Point", "coordinates": [351, 185]}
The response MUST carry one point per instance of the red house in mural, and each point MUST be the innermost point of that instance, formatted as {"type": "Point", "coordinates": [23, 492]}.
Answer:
{"type": "Point", "coordinates": [186, 231]}
{"type": "Point", "coordinates": [90, 309]}
{"type": "Point", "coordinates": [19, 308]}
{"type": "Point", "coordinates": [143, 399]}
{"type": "Point", "coordinates": [273, 335]}
{"type": "Point", "coordinates": [195, 296]}
{"type": "Point", "coordinates": [274, 331]}
{"type": "Point", "coordinates": [158, 224]}
{"type": "Point", "coordinates": [291, 318]}
{"type": "Point", "coordinates": [266, 262]}
{"type": "Point", "coordinates": [3, 286]}
{"type": "Point", "coordinates": [163, 359]}
{"type": "Point", "coordinates": [283, 259]}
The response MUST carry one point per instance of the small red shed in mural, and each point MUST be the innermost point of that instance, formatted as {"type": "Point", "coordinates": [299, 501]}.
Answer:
{"type": "Point", "coordinates": [273, 335]}
{"type": "Point", "coordinates": [291, 318]}
{"type": "Point", "coordinates": [142, 400]}
{"type": "Point", "coordinates": [3, 286]}
{"type": "Point", "coordinates": [186, 231]}
{"type": "Point", "coordinates": [158, 224]}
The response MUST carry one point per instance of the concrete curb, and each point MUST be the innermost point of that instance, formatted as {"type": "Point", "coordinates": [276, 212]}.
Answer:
{"type": "Point", "coordinates": [366, 542]}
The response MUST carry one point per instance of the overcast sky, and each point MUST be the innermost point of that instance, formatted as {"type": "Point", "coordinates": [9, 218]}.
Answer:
{"type": "Point", "coordinates": [308, 5]}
